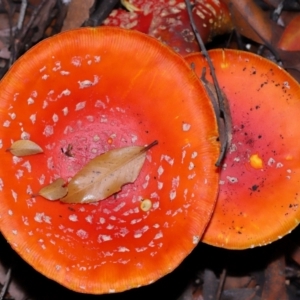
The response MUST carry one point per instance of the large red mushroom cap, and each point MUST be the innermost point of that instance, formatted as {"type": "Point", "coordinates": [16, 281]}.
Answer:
{"type": "Point", "coordinates": [80, 94]}
{"type": "Point", "coordinates": [259, 193]}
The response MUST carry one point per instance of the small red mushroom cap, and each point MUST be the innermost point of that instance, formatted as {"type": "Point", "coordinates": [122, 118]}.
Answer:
{"type": "Point", "coordinates": [168, 21]}
{"type": "Point", "coordinates": [78, 95]}
{"type": "Point", "coordinates": [259, 198]}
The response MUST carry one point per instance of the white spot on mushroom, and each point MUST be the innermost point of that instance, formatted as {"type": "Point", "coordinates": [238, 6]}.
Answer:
{"type": "Point", "coordinates": [25, 135]}
{"type": "Point", "coordinates": [232, 148]}
{"type": "Point", "coordinates": [168, 159]}
{"type": "Point", "coordinates": [32, 118]}
{"type": "Point", "coordinates": [172, 195]}
{"type": "Point", "coordinates": [45, 104]}
{"type": "Point", "coordinates": [41, 217]}
{"type": "Point", "coordinates": [110, 227]}
{"type": "Point", "coordinates": [101, 104]}
{"type": "Point", "coordinates": [133, 138]}
{"type": "Point", "coordinates": [160, 185]}
{"type": "Point", "coordinates": [138, 233]}
{"type": "Point", "coordinates": [76, 61]}
{"type": "Point", "coordinates": [106, 211]}
{"type": "Point", "coordinates": [25, 220]}
{"type": "Point", "coordinates": [10, 212]}
{"type": "Point", "coordinates": [97, 59]}
{"type": "Point", "coordinates": [158, 236]}
{"type": "Point", "coordinates": [232, 179]}
{"type": "Point", "coordinates": [48, 130]}
{"type": "Point", "coordinates": [141, 249]}
{"type": "Point", "coordinates": [6, 123]}
{"type": "Point", "coordinates": [183, 154]}
{"type": "Point", "coordinates": [15, 232]}
{"type": "Point", "coordinates": [145, 184]}
{"type": "Point", "coordinates": [15, 195]}
{"type": "Point", "coordinates": [194, 154]}
{"type": "Point", "coordinates": [104, 238]}
{"type": "Point", "coordinates": [57, 66]}
{"type": "Point", "coordinates": [123, 232]}
{"type": "Point", "coordinates": [160, 170]}
{"type": "Point", "coordinates": [55, 118]}
{"type": "Point", "coordinates": [57, 267]}
{"type": "Point", "coordinates": [186, 126]}
{"type": "Point", "coordinates": [73, 218]}
{"type": "Point", "coordinates": [87, 83]}
{"type": "Point", "coordinates": [286, 84]}
{"type": "Point", "coordinates": [135, 221]}
{"type": "Point", "coordinates": [123, 249]}
{"type": "Point", "coordinates": [89, 219]}
{"type": "Point", "coordinates": [82, 234]}
{"type": "Point", "coordinates": [110, 291]}
{"type": "Point", "coordinates": [191, 176]}
{"type": "Point", "coordinates": [196, 239]}
{"type": "Point", "coordinates": [30, 101]}
{"type": "Point", "coordinates": [271, 162]}
{"type": "Point", "coordinates": [221, 182]}
{"type": "Point", "coordinates": [45, 76]}
{"type": "Point", "coordinates": [80, 105]}
{"type": "Point", "coordinates": [19, 174]}
{"type": "Point", "coordinates": [191, 166]}
{"type": "Point", "coordinates": [117, 208]}
{"type": "Point", "coordinates": [42, 179]}
{"type": "Point", "coordinates": [16, 159]}
{"type": "Point", "coordinates": [1, 143]}
{"type": "Point", "coordinates": [29, 190]}
{"type": "Point", "coordinates": [64, 73]}
{"type": "Point", "coordinates": [101, 220]}
{"type": "Point", "coordinates": [65, 92]}
{"type": "Point", "coordinates": [12, 116]}
{"type": "Point", "coordinates": [279, 165]}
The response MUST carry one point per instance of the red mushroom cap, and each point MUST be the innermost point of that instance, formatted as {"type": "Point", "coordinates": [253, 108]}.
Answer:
{"type": "Point", "coordinates": [168, 21]}
{"type": "Point", "coordinates": [80, 94]}
{"type": "Point", "coordinates": [259, 193]}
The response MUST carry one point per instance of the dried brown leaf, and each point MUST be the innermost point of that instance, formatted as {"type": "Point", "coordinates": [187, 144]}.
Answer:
{"type": "Point", "coordinates": [105, 175]}
{"type": "Point", "coordinates": [78, 12]}
{"type": "Point", "coordinates": [54, 191]}
{"type": "Point", "coordinates": [24, 148]}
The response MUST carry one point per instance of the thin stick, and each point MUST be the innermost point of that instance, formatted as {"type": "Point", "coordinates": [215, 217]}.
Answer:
{"type": "Point", "coordinates": [221, 284]}
{"type": "Point", "coordinates": [223, 113]}
{"type": "Point", "coordinates": [7, 281]}
{"type": "Point", "coordinates": [22, 14]}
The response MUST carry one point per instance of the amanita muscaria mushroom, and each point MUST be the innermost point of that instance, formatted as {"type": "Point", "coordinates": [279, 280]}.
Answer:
{"type": "Point", "coordinates": [168, 21]}
{"type": "Point", "coordinates": [259, 193]}
{"type": "Point", "coordinates": [80, 94]}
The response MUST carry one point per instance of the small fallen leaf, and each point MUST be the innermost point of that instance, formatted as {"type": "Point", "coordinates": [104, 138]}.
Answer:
{"type": "Point", "coordinates": [24, 148]}
{"type": "Point", "coordinates": [54, 191]}
{"type": "Point", "coordinates": [105, 175]}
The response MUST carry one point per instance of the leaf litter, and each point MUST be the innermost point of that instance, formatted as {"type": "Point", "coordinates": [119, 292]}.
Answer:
{"type": "Point", "coordinates": [24, 148]}
{"type": "Point", "coordinates": [101, 177]}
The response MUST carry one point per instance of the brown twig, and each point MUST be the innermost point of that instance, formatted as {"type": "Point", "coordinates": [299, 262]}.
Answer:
{"type": "Point", "coordinates": [223, 113]}
{"type": "Point", "coordinates": [101, 13]}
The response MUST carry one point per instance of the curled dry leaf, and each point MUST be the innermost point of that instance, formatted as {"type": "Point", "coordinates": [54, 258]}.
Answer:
{"type": "Point", "coordinates": [54, 191]}
{"type": "Point", "coordinates": [105, 175]}
{"type": "Point", "coordinates": [24, 148]}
